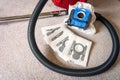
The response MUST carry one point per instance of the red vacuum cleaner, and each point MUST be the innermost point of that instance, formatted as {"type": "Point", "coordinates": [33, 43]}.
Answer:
{"type": "Point", "coordinates": [65, 3]}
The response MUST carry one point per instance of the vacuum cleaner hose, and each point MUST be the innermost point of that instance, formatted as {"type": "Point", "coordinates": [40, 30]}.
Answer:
{"type": "Point", "coordinates": [72, 72]}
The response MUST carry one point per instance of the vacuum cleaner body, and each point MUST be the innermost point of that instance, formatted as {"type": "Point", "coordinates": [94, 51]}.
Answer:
{"type": "Point", "coordinates": [65, 3]}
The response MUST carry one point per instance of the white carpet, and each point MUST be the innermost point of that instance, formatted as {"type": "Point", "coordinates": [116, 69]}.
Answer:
{"type": "Point", "coordinates": [17, 62]}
